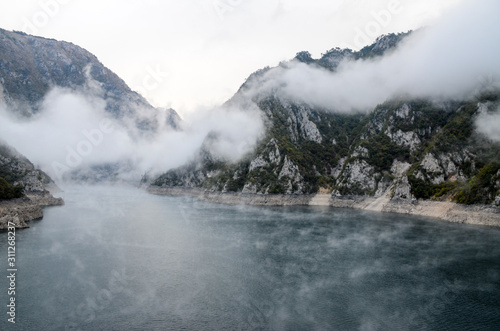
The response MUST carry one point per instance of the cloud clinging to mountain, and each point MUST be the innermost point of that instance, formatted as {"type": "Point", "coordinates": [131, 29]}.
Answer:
{"type": "Point", "coordinates": [446, 61]}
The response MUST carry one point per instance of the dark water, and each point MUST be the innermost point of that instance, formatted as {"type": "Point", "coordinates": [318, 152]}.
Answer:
{"type": "Point", "coordinates": [116, 258]}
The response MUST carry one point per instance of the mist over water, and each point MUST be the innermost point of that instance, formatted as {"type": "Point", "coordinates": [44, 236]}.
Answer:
{"type": "Point", "coordinates": [116, 258]}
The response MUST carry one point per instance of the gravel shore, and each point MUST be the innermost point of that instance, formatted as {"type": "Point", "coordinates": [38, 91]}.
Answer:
{"type": "Point", "coordinates": [448, 211]}
{"type": "Point", "coordinates": [21, 211]}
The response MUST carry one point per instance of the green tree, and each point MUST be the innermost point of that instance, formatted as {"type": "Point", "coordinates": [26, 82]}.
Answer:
{"type": "Point", "coordinates": [8, 191]}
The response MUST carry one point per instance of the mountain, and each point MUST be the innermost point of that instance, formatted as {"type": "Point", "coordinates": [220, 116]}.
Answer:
{"type": "Point", "coordinates": [31, 66]}
{"type": "Point", "coordinates": [405, 148]}
{"type": "Point", "coordinates": [332, 58]}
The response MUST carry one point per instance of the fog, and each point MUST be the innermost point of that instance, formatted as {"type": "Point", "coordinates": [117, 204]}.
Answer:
{"type": "Point", "coordinates": [450, 60]}
{"type": "Point", "coordinates": [73, 131]}
{"type": "Point", "coordinates": [312, 268]}
{"type": "Point", "coordinates": [488, 124]}
{"type": "Point", "coordinates": [446, 61]}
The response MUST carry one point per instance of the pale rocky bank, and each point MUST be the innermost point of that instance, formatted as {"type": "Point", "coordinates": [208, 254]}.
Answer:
{"type": "Point", "coordinates": [21, 211]}
{"type": "Point", "coordinates": [448, 211]}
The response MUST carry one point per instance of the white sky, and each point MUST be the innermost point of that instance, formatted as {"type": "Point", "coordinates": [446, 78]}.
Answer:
{"type": "Point", "coordinates": [194, 54]}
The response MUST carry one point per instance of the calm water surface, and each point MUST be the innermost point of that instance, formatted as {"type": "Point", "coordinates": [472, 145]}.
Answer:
{"type": "Point", "coordinates": [116, 258]}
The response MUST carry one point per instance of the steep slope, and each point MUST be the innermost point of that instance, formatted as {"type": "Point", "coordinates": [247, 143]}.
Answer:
{"type": "Point", "coordinates": [23, 189]}
{"type": "Point", "coordinates": [17, 170]}
{"type": "Point", "coordinates": [31, 66]}
{"type": "Point", "coordinates": [404, 148]}
{"type": "Point", "coordinates": [415, 149]}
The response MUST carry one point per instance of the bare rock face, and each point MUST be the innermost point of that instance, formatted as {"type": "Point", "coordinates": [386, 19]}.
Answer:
{"type": "Point", "coordinates": [402, 189]}
{"type": "Point", "coordinates": [431, 164]}
{"type": "Point", "coordinates": [291, 173]}
{"type": "Point", "coordinates": [274, 154]}
{"type": "Point", "coordinates": [408, 139]}
{"type": "Point", "coordinates": [443, 166]}
{"type": "Point", "coordinates": [401, 186]}
{"type": "Point", "coordinates": [403, 112]}
{"type": "Point", "coordinates": [300, 125]}
{"type": "Point", "coordinates": [308, 129]}
{"type": "Point", "coordinates": [358, 177]}
{"type": "Point", "coordinates": [432, 169]}
{"type": "Point", "coordinates": [258, 162]}
{"type": "Point", "coordinates": [271, 156]}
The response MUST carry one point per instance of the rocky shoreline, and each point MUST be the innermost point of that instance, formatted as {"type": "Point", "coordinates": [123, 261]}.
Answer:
{"type": "Point", "coordinates": [448, 211]}
{"type": "Point", "coordinates": [21, 211]}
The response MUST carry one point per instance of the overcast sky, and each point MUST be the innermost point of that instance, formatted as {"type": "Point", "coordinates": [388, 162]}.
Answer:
{"type": "Point", "coordinates": [194, 54]}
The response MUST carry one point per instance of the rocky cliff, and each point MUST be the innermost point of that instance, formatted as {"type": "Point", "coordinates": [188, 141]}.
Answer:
{"type": "Point", "coordinates": [404, 148]}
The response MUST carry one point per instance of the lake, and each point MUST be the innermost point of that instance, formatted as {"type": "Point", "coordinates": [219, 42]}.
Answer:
{"type": "Point", "coordinates": [117, 258]}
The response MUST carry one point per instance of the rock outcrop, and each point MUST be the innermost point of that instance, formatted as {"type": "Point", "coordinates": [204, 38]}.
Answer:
{"type": "Point", "coordinates": [20, 211]}
{"type": "Point", "coordinates": [17, 170]}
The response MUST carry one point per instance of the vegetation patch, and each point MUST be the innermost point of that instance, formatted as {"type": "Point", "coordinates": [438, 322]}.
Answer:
{"type": "Point", "coordinates": [382, 152]}
{"type": "Point", "coordinates": [480, 188]}
{"type": "Point", "coordinates": [422, 189]}
{"type": "Point", "coordinates": [8, 191]}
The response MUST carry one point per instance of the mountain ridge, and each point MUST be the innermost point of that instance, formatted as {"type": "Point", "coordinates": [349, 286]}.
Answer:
{"type": "Point", "coordinates": [406, 148]}
{"type": "Point", "coordinates": [31, 66]}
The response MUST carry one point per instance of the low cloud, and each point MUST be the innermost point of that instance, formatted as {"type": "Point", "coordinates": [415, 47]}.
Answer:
{"type": "Point", "coordinates": [445, 61]}
{"type": "Point", "coordinates": [73, 132]}
{"type": "Point", "coordinates": [488, 124]}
